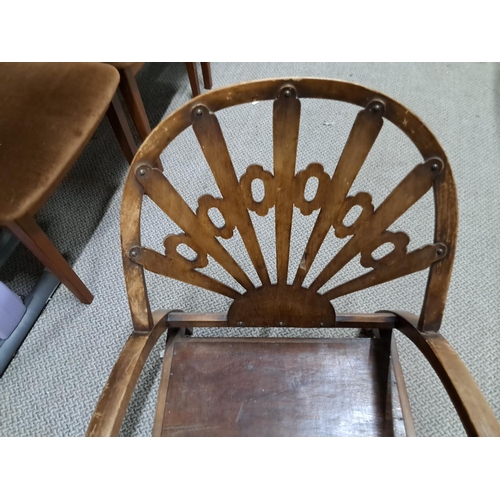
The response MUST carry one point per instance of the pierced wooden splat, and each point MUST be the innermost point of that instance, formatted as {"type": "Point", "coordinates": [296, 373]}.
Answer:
{"type": "Point", "coordinates": [182, 270]}
{"type": "Point", "coordinates": [199, 234]}
{"type": "Point", "coordinates": [413, 262]}
{"type": "Point", "coordinates": [277, 304]}
{"type": "Point", "coordinates": [233, 209]}
{"type": "Point", "coordinates": [359, 143]}
{"type": "Point", "coordinates": [372, 233]}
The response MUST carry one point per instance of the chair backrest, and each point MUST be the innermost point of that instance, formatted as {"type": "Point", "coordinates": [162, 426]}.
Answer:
{"type": "Point", "coordinates": [274, 304]}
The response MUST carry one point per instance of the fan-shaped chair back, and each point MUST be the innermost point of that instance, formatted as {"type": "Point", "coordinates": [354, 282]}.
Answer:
{"type": "Point", "coordinates": [279, 304]}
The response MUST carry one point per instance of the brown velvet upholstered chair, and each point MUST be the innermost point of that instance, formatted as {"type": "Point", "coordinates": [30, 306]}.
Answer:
{"type": "Point", "coordinates": [48, 112]}
{"type": "Point", "coordinates": [222, 386]}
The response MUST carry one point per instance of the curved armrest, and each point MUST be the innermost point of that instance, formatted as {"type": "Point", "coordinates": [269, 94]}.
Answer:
{"type": "Point", "coordinates": [112, 405]}
{"type": "Point", "coordinates": [474, 411]}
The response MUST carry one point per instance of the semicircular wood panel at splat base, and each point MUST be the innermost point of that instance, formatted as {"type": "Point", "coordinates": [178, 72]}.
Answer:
{"type": "Point", "coordinates": [281, 303]}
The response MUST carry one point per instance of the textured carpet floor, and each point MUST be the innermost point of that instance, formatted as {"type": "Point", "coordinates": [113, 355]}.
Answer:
{"type": "Point", "coordinates": [52, 386]}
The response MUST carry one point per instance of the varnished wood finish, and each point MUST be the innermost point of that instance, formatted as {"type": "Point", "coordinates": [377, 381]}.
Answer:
{"type": "Point", "coordinates": [207, 75]}
{"type": "Point", "coordinates": [282, 387]}
{"type": "Point", "coordinates": [35, 240]}
{"type": "Point", "coordinates": [112, 406]}
{"type": "Point", "coordinates": [402, 392]}
{"type": "Point", "coordinates": [281, 305]}
{"type": "Point", "coordinates": [119, 124]}
{"type": "Point", "coordinates": [445, 230]}
{"type": "Point", "coordinates": [368, 233]}
{"type": "Point", "coordinates": [476, 415]}
{"type": "Point", "coordinates": [286, 119]}
{"type": "Point", "coordinates": [193, 78]}
{"type": "Point", "coordinates": [133, 99]}
{"type": "Point", "coordinates": [130, 222]}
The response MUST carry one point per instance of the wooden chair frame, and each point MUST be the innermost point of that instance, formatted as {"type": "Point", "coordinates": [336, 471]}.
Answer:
{"type": "Point", "coordinates": [311, 309]}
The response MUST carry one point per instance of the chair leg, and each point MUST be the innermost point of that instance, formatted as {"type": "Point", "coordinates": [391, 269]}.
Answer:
{"type": "Point", "coordinates": [207, 75]}
{"type": "Point", "coordinates": [118, 120]}
{"type": "Point", "coordinates": [133, 100]}
{"type": "Point", "coordinates": [193, 78]}
{"type": "Point", "coordinates": [33, 238]}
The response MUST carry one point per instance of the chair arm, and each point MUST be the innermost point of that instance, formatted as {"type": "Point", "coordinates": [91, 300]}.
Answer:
{"type": "Point", "coordinates": [112, 405]}
{"type": "Point", "coordinates": [474, 411]}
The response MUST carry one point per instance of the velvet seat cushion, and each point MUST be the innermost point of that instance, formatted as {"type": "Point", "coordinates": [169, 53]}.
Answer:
{"type": "Point", "coordinates": [48, 112]}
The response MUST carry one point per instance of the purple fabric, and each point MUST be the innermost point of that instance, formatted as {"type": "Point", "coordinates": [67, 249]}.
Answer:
{"type": "Point", "coordinates": [12, 310]}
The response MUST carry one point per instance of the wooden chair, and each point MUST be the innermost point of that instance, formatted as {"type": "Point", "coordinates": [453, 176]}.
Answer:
{"type": "Point", "coordinates": [284, 386]}
{"type": "Point", "coordinates": [48, 113]}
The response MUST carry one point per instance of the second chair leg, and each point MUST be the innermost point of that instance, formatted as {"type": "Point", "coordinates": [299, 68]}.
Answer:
{"type": "Point", "coordinates": [133, 99]}
{"type": "Point", "coordinates": [193, 78]}
{"type": "Point", "coordinates": [121, 129]}
{"type": "Point", "coordinates": [135, 105]}
{"type": "Point", "coordinates": [33, 238]}
{"type": "Point", "coordinates": [207, 75]}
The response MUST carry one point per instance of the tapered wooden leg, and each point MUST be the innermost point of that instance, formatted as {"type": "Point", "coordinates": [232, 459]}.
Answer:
{"type": "Point", "coordinates": [193, 78]}
{"type": "Point", "coordinates": [133, 100]}
{"type": "Point", "coordinates": [207, 75]}
{"type": "Point", "coordinates": [121, 129]}
{"type": "Point", "coordinates": [33, 238]}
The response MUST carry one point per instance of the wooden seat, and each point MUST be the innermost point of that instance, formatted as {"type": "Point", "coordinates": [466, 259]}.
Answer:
{"type": "Point", "coordinates": [276, 387]}
{"type": "Point", "coordinates": [288, 387]}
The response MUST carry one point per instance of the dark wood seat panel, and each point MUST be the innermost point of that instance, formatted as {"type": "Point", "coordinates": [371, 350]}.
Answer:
{"type": "Point", "coordinates": [278, 387]}
{"type": "Point", "coordinates": [48, 112]}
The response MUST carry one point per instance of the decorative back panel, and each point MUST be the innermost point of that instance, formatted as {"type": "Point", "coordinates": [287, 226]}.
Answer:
{"type": "Point", "coordinates": [275, 304]}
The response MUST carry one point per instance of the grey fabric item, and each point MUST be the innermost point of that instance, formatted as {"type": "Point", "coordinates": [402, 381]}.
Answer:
{"type": "Point", "coordinates": [53, 384]}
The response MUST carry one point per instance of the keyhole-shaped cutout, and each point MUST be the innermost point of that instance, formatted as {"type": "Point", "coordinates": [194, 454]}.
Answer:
{"type": "Point", "coordinates": [383, 251]}
{"type": "Point", "coordinates": [187, 252]}
{"type": "Point", "coordinates": [311, 189]}
{"type": "Point", "coordinates": [216, 217]}
{"type": "Point", "coordinates": [258, 190]}
{"type": "Point", "coordinates": [352, 216]}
